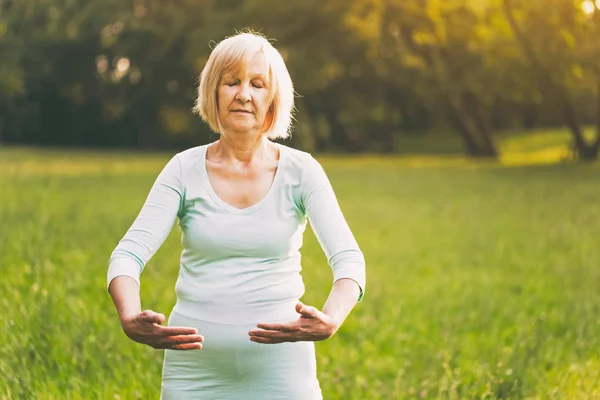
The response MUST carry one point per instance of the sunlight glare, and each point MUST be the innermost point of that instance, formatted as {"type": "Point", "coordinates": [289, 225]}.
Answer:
{"type": "Point", "coordinates": [123, 65]}
{"type": "Point", "coordinates": [101, 63]}
{"type": "Point", "coordinates": [588, 6]}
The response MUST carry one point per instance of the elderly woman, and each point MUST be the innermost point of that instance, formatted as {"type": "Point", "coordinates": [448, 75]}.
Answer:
{"type": "Point", "coordinates": [242, 203]}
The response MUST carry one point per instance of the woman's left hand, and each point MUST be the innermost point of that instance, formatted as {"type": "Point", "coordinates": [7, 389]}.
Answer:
{"type": "Point", "coordinates": [312, 325]}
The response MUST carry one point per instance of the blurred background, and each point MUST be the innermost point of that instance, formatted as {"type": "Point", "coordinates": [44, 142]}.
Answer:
{"type": "Point", "coordinates": [460, 137]}
{"type": "Point", "coordinates": [368, 73]}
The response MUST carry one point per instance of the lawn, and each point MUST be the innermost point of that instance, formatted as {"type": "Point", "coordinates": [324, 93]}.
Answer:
{"type": "Point", "coordinates": [483, 278]}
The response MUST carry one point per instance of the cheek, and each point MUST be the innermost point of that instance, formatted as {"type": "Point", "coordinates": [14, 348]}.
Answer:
{"type": "Point", "coordinates": [223, 96]}
{"type": "Point", "coordinates": [263, 102]}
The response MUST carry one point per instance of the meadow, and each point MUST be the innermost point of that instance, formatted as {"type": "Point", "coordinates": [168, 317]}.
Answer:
{"type": "Point", "coordinates": [483, 278]}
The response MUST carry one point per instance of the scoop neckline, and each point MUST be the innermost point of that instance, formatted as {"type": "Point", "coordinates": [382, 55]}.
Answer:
{"type": "Point", "coordinates": [246, 210]}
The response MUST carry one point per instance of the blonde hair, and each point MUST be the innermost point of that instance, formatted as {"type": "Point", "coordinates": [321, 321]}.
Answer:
{"type": "Point", "coordinates": [233, 53]}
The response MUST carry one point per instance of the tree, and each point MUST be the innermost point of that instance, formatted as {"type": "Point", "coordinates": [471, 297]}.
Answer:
{"type": "Point", "coordinates": [560, 42]}
{"type": "Point", "coordinates": [435, 39]}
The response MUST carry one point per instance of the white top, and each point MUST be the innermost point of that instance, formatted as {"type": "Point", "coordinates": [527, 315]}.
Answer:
{"type": "Point", "coordinates": [240, 266]}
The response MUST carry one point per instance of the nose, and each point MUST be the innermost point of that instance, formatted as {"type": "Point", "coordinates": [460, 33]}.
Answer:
{"type": "Point", "coordinates": [243, 93]}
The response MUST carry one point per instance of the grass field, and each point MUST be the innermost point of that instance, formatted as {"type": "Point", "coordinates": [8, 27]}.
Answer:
{"type": "Point", "coordinates": [483, 278]}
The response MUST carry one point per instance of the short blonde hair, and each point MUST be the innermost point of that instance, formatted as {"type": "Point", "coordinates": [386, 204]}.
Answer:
{"type": "Point", "coordinates": [233, 53]}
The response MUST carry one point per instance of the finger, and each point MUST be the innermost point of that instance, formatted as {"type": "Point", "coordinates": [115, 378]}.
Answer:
{"type": "Point", "coordinates": [184, 339]}
{"type": "Point", "coordinates": [271, 334]}
{"type": "Point", "coordinates": [177, 330]}
{"type": "Point", "coordinates": [267, 340]}
{"type": "Point", "coordinates": [180, 346]}
{"type": "Point", "coordinates": [307, 311]}
{"type": "Point", "coordinates": [188, 346]}
{"type": "Point", "coordinates": [152, 317]}
{"type": "Point", "coordinates": [287, 327]}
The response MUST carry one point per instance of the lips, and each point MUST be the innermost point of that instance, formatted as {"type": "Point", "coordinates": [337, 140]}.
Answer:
{"type": "Point", "coordinates": [242, 111]}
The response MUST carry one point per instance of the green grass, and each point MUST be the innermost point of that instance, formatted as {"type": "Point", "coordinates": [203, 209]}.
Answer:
{"type": "Point", "coordinates": [483, 278]}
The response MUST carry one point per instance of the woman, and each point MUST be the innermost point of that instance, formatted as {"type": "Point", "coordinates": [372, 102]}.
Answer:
{"type": "Point", "coordinates": [242, 204]}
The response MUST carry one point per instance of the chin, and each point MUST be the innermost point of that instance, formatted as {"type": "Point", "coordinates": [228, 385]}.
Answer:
{"type": "Point", "coordinates": [242, 129]}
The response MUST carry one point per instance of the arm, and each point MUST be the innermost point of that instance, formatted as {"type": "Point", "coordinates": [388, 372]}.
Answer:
{"type": "Point", "coordinates": [152, 225]}
{"type": "Point", "coordinates": [341, 300]}
{"type": "Point", "coordinates": [125, 293]}
{"type": "Point", "coordinates": [142, 240]}
{"type": "Point", "coordinates": [332, 231]}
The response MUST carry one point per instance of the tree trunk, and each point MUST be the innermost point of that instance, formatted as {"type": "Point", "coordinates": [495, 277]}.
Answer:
{"type": "Point", "coordinates": [489, 148]}
{"type": "Point", "coordinates": [597, 142]}
{"type": "Point", "coordinates": [471, 146]}
{"type": "Point", "coordinates": [457, 113]}
{"type": "Point", "coordinates": [469, 130]}
{"type": "Point", "coordinates": [388, 133]}
{"type": "Point", "coordinates": [598, 108]}
{"type": "Point", "coordinates": [584, 151]}
{"type": "Point", "coordinates": [591, 151]}
{"type": "Point", "coordinates": [482, 122]}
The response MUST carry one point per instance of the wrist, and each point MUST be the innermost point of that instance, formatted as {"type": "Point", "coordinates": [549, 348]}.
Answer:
{"type": "Point", "coordinates": [334, 322]}
{"type": "Point", "coordinates": [126, 317]}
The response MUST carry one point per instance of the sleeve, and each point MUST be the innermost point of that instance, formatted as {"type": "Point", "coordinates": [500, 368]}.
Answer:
{"type": "Point", "coordinates": [152, 225]}
{"type": "Point", "coordinates": [330, 227]}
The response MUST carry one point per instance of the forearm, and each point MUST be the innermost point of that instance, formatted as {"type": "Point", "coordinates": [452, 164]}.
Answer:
{"type": "Point", "coordinates": [125, 293]}
{"type": "Point", "coordinates": [341, 299]}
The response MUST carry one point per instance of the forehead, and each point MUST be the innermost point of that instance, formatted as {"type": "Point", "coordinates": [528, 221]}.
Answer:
{"type": "Point", "coordinates": [247, 64]}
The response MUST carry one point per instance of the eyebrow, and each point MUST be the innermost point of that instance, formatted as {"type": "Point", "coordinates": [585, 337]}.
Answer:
{"type": "Point", "coordinates": [261, 76]}
{"type": "Point", "coordinates": [233, 75]}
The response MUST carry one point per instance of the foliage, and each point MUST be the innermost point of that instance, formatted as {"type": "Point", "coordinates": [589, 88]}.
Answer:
{"type": "Point", "coordinates": [559, 40]}
{"type": "Point", "coordinates": [114, 73]}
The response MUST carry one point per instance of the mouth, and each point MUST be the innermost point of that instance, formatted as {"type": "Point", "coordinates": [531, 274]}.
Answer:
{"type": "Point", "coordinates": [242, 111]}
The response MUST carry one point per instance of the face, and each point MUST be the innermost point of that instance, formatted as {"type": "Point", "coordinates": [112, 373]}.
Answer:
{"type": "Point", "coordinates": [243, 97]}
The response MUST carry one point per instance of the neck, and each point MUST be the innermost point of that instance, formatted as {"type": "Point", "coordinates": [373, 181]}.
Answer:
{"type": "Point", "coordinates": [241, 148]}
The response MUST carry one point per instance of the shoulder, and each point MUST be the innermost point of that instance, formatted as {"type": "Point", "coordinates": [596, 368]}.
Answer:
{"type": "Point", "coordinates": [298, 159]}
{"type": "Point", "coordinates": [191, 154]}
{"type": "Point", "coordinates": [190, 158]}
{"type": "Point", "coordinates": [306, 171]}
{"type": "Point", "coordinates": [181, 164]}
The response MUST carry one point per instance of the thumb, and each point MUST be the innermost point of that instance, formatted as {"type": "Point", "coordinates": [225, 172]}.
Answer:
{"type": "Point", "coordinates": [152, 317]}
{"type": "Point", "coordinates": [306, 311]}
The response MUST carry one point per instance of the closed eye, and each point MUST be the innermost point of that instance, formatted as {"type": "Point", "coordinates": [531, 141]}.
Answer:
{"type": "Point", "coordinates": [258, 84]}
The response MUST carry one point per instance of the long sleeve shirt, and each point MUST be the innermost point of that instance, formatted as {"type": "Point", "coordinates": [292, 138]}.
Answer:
{"type": "Point", "coordinates": [240, 265]}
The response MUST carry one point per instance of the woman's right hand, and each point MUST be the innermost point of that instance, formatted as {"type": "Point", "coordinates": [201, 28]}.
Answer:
{"type": "Point", "coordinates": [146, 328]}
